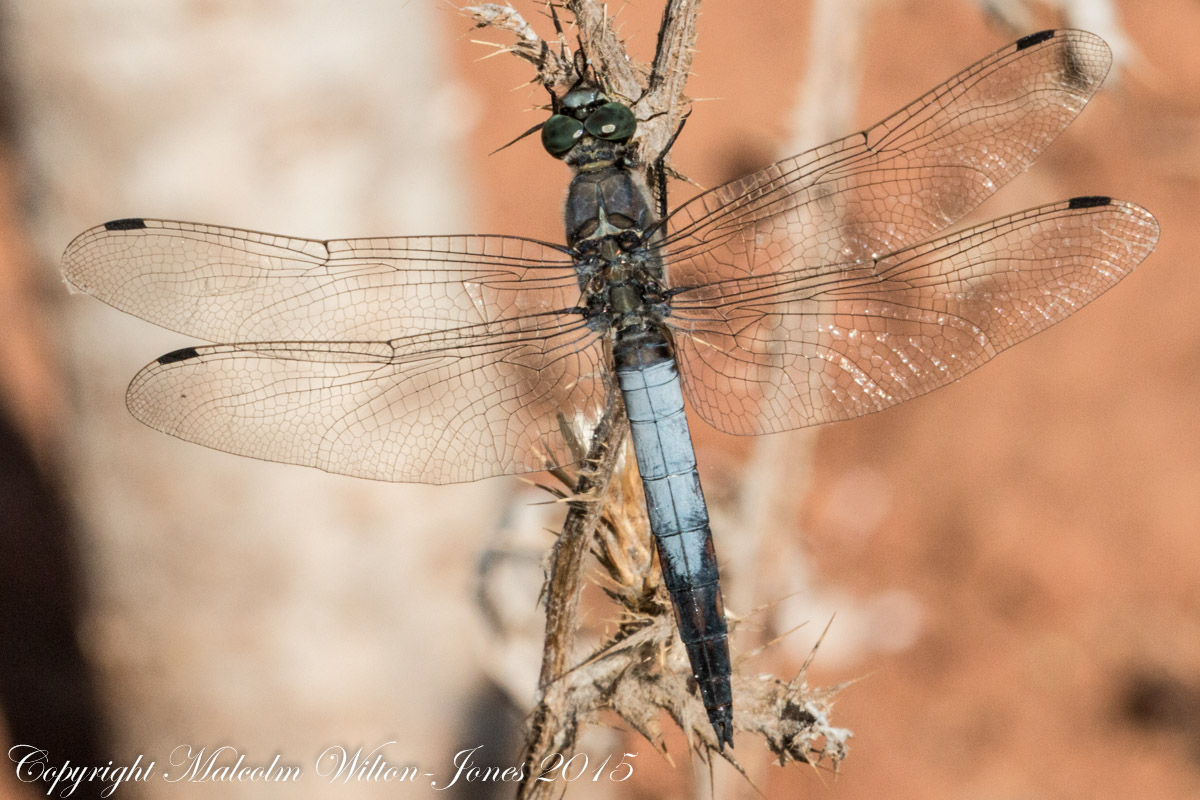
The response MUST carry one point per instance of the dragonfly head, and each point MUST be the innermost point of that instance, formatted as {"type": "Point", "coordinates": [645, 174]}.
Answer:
{"type": "Point", "coordinates": [586, 111]}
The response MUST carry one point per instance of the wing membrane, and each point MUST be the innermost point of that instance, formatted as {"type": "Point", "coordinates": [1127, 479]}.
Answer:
{"type": "Point", "coordinates": [436, 408]}
{"type": "Point", "coordinates": [225, 284]}
{"type": "Point", "coordinates": [899, 182]}
{"type": "Point", "coordinates": [775, 352]}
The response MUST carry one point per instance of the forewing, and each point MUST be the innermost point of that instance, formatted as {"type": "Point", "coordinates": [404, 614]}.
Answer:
{"type": "Point", "coordinates": [436, 408]}
{"type": "Point", "coordinates": [899, 182]}
{"type": "Point", "coordinates": [225, 284]}
{"type": "Point", "coordinates": [775, 352]}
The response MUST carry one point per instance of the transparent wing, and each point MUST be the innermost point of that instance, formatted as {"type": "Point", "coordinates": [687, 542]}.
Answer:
{"type": "Point", "coordinates": [781, 351]}
{"type": "Point", "coordinates": [442, 407]}
{"type": "Point", "coordinates": [899, 182]}
{"type": "Point", "coordinates": [225, 284]}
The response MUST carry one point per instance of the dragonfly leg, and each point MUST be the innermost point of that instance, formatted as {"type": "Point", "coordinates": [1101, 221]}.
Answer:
{"type": "Point", "coordinates": [660, 169]}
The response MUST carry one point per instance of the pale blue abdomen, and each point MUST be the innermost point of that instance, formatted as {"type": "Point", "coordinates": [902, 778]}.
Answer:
{"type": "Point", "coordinates": [662, 442]}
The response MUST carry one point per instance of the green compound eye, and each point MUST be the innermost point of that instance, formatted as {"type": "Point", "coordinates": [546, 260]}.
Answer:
{"type": "Point", "coordinates": [612, 122]}
{"type": "Point", "coordinates": [560, 133]}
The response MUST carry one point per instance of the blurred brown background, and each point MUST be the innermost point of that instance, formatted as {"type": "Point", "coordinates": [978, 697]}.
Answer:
{"type": "Point", "coordinates": [1013, 561]}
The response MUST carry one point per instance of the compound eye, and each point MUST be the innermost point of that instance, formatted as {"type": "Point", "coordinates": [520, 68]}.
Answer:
{"type": "Point", "coordinates": [560, 133]}
{"type": "Point", "coordinates": [612, 122]}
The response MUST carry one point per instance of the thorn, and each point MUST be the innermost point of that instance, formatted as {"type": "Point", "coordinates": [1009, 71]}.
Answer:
{"type": "Point", "coordinates": [813, 653]}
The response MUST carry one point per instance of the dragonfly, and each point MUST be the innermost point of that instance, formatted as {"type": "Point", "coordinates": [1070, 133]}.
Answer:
{"type": "Point", "coordinates": [820, 288]}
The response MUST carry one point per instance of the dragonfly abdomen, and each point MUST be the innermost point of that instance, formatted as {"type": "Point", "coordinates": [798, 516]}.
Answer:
{"type": "Point", "coordinates": [649, 381]}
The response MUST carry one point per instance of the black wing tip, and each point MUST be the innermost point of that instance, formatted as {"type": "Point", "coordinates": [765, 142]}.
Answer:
{"type": "Point", "coordinates": [1091, 201]}
{"type": "Point", "coordinates": [1035, 38]}
{"type": "Point", "coordinates": [127, 224]}
{"type": "Point", "coordinates": [183, 354]}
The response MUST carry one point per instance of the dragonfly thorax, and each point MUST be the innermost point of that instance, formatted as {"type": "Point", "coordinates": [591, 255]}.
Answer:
{"type": "Point", "coordinates": [609, 202]}
{"type": "Point", "coordinates": [622, 289]}
{"type": "Point", "coordinates": [609, 217]}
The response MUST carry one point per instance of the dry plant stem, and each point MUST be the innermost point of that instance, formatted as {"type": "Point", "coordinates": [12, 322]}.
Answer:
{"type": "Point", "coordinates": [673, 62]}
{"type": "Point", "coordinates": [605, 52]}
{"type": "Point", "coordinates": [640, 671]}
{"type": "Point", "coordinates": [552, 728]}
{"type": "Point", "coordinates": [552, 64]}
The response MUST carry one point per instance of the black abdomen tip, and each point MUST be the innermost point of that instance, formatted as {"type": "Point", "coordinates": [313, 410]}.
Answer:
{"type": "Point", "coordinates": [130, 224]}
{"type": "Point", "coordinates": [1034, 38]}
{"type": "Point", "coordinates": [1092, 201]}
{"type": "Point", "coordinates": [182, 354]}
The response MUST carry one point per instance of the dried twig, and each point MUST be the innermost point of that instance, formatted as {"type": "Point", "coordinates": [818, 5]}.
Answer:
{"type": "Point", "coordinates": [554, 725]}
{"type": "Point", "coordinates": [641, 670]}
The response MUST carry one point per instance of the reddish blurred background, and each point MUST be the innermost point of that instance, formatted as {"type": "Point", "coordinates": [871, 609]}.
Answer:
{"type": "Point", "coordinates": [1013, 561]}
